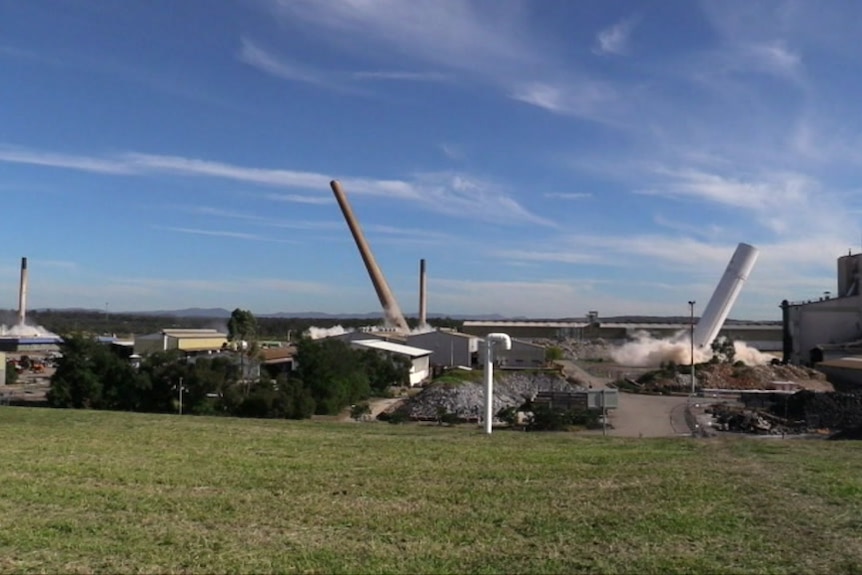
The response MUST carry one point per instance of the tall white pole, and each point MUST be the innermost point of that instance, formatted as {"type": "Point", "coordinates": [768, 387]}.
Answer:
{"type": "Point", "coordinates": [691, 360]}
{"type": "Point", "coordinates": [506, 343]}
{"type": "Point", "coordinates": [489, 385]}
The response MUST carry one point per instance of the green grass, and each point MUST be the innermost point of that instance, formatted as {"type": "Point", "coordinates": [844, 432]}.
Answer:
{"type": "Point", "coordinates": [116, 492]}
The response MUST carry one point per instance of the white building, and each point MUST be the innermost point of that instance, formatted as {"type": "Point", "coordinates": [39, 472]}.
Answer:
{"type": "Point", "coordinates": [829, 321]}
{"type": "Point", "coordinates": [420, 364]}
{"type": "Point", "coordinates": [449, 348]}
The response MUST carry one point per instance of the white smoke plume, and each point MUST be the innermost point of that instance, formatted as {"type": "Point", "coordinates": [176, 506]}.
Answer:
{"type": "Point", "coordinates": [647, 351]}
{"type": "Point", "coordinates": [422, 329]}
{"type": "Point", "coordinates": [322, 332]}
{"type": "Point", "coordinates": [25, 330]}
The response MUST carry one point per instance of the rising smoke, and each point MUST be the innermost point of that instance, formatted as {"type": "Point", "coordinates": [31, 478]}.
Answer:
{"type": "Point", "coordinates": [647, 351]}
{"type": "Point", "coordinates": [323, 332]}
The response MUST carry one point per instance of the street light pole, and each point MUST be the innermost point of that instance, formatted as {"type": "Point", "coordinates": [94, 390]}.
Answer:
{"type": "Point", "coordinates": [691, 330]}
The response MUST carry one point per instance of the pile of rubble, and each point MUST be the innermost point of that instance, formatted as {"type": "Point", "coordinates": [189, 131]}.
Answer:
{"type": "Point", "coordinates": [801, 412]}
{"type": "Point", "coordinates": [726, 376]}
{"type": "Point", "coordinates": [741, 420]}
{"type": "Point", "coordinates": [465, 401]}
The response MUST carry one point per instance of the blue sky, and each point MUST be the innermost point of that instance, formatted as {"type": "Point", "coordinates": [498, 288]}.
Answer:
{"type": "Point", "coordinates": [546, 158]}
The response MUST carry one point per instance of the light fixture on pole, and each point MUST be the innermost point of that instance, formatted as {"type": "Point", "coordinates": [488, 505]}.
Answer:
{"type": "Point", "coordinates": [691, 330]}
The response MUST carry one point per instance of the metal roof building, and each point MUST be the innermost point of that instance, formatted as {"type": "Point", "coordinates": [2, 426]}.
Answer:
{"type": "Point", "coordinates": [187, 340]}
{"type": "Point", "coordinates": [420, 365]}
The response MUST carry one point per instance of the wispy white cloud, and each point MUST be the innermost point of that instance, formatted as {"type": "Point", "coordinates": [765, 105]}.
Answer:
{"type": "Point", "coordinates": [585, 98]}
{"type": "Point", "coordinates": [452, 151]}
{"type": "Point", "coordinates": [299, 199]}
{"type": "Point", "coordinates": [448, 193]}
{"type": "Point", "coordinates": [401, 75]}
{"type": "Point", "coordinates": [615, 39]}
{"type": "Point", "coordinates": [255, 56]}
{"type": "Point", "coordinates": [468, 42]}
{"type": "Point", "coordinates": [775, 57]}
{"type": "Point", "coordinates": [17, 155]}
{"type": "Point", "coordinates": [224, 234]}
{"type": "Point", "coordinates": [568, 195]}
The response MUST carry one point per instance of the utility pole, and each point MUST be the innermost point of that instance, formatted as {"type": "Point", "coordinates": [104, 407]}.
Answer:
{"type": "Point", "coordinates": [691, 329]}
{"type": "Point", "coordinates": [181, 395]}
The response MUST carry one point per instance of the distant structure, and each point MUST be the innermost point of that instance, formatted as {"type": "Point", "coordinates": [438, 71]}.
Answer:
{"type": "Point", "coordinates": [22, 294]}
{"type": "Point", "coordinates": [725, 294]}
{"type": "Point", "coordinates": [391, 310]}
{"type": "Point", "coordinates": [423, 302]}
{"type": "Point", "coordinates": [829, 326]}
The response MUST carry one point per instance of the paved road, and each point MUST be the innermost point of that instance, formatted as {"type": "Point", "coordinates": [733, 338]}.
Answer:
{"type": "Point", "coordinates": [638, 415]}
{"type": "Point", "coordinates": [649, 416]}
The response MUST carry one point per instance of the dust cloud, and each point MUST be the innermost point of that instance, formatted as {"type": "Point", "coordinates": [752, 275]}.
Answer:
{"type": "Point", "coordinates": [25, 330]}
{"type": "Point", "coordinates": [647, 351]}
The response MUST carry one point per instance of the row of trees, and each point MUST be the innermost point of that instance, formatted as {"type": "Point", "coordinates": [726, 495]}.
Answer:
{"type": "Point", "coordinates": [330, 376]}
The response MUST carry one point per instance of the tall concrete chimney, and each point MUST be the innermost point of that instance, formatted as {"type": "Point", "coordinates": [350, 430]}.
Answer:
{"type": "Point", "coordinates": [391, 310]}
{"type": "Point", "coordinates": [22, 293]}
{"type": "Point", "coordinates": [423, 303]}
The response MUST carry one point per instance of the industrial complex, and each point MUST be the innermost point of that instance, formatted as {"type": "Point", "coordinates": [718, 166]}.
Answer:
{"type": "Point", "coordinates": [826, 332]}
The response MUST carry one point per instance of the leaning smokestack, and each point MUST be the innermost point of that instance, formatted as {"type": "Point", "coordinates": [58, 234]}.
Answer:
{"type": "Point", "coordinates": [22, 293]}
{"type": "Point", "coordinates": [423, 310]}
{"type": "Point", "coordinates": [725, 294]}
{"type": "Point", "coordinates": [391, 310]}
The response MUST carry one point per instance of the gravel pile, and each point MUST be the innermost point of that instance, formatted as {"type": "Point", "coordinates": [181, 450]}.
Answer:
{"type": "Point", "coordinates": [466, 400]}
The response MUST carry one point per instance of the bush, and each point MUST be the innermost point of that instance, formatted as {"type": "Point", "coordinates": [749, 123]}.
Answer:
{"type": "Point", "coordinates": [359, 410]}
{"type": "Point", "coordinates": [394, 417]}
{"type": "Point", "coordinates": [549, 419]}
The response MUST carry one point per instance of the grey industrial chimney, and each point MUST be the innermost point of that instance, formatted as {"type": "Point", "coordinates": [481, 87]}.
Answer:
{"type": "Point", "coordinates": [22, 293]}
{"type": "Point", "coordinates": [391, 310]}
{"type": "Point", "coordinates": [423, 302]}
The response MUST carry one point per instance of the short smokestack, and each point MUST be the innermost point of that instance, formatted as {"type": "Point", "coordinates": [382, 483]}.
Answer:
{"type": "Point", "coordinates": [423, 303]}
{"type": "Point", "coordinates": [22, 293]}
{"type": "Point", "coordinates": [391, 310]}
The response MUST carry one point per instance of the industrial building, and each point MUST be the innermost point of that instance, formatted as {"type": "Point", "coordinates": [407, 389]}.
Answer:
{"type": "Point", "coordinates": [420, 364]}
{"type": "Point", "coordinates": [448, 348]}
{"type": "Point", "coordinates": [192, 341]}
{"type": "Point", "coordinates": [278, 360]}
{"type": "Point", "coordinates": [765, 336]}
{"type": "Point", "coordinates": [522, 355]}
{"type": "Point", "coordinates": [830, 326]}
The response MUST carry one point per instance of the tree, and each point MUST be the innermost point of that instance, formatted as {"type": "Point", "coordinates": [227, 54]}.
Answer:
{"type": "Point", "coordinates": [76, 382]}
{"type": "Point", "coordinates": [333, 372]}
{"type": "Point", "coordinates": [724, 349]}
{"type": "Point", "coordinates": [554, 353]}
{"type": "Point", "coordinates": [11, 373]}
{"type": "Point", "coordinates": [384, 370]}
{"type": "Point", "coordinates": [242, 326]}
{"type": "Point", "coordinates": [242, 329]}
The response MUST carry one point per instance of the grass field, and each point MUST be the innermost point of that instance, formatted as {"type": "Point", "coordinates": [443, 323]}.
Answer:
{"type": "Point", "coordinates": [118, 492]}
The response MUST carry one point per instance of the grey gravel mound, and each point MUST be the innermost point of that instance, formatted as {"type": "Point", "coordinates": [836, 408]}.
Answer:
{"type": "Point", "coordinates": [466, 400]}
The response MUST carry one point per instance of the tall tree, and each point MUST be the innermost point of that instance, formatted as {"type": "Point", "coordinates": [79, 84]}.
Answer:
{"type": "Point", "coordinates": [242, 329]}
{"type": "Point", "coordinates": [242, 325]}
